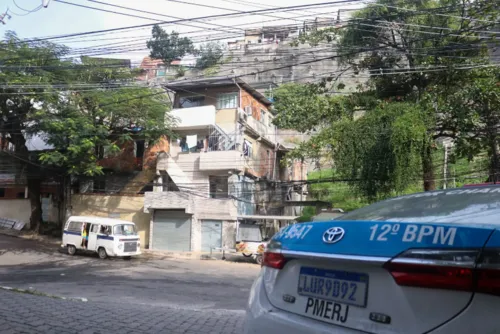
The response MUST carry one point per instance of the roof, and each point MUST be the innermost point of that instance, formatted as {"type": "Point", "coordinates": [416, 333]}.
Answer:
{"type": "Point", "coordinates": [100, 220]}
{"type": "Point", "coordinates": [181, 85]}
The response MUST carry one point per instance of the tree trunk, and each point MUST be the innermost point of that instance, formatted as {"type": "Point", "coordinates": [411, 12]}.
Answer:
{"type": "Point", "coordinates": [34, 190]}
{"type": "Point", "coordinates": [494, 161]}
{"type": "Point", "coordinates": [428, 167]}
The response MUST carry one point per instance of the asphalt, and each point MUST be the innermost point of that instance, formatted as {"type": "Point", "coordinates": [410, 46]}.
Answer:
{"type": "Point", "coordinates": [162, 282]}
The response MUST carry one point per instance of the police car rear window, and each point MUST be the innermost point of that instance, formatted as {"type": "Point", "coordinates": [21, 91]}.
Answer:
{"type": "Point", "coordinates": [471, 205]}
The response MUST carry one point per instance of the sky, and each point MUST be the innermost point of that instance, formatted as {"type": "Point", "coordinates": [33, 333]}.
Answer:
{"type": "Point", "coordinates": [28, 20]}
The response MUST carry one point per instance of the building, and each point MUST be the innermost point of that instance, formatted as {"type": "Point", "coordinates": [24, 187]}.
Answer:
{"type": "Point", "coordinates": [222, 173]}
{"type": "Point", "coordinates": [14, 174]}
{"type": "Point", "coordinates": [156, 70]}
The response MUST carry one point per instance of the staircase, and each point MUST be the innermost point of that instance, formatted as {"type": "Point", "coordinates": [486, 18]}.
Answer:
{"type": "Point", "coordinates": [224, 141]}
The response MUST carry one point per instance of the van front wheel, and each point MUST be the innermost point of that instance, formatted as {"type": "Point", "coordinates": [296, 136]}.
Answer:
{"type": "Point", "coordinates": [71, 249]}
{"type": "Point", "coordinates": [102, 253]}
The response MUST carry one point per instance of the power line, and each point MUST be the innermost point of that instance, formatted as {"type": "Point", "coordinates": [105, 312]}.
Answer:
{"type": "Point", "coordinates": [278, 9]}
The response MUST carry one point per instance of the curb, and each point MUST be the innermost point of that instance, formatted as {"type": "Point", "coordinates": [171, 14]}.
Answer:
{"type": "Point", "coordinates": [38, 293]}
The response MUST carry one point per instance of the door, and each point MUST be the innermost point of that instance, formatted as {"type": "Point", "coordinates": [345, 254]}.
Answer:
{"type": "Point", "coordinates": [211, 234]}
{"type": "Point", "coordinates": [172, 231]}
{"type": "Point", "coordinates": [94, 229]}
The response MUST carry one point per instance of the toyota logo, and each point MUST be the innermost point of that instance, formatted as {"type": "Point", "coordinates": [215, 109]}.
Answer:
{"type": "Point", "coordinates": [333, 235]}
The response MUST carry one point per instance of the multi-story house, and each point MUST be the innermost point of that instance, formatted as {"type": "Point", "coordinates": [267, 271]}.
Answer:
{"type": "Point", "coordinates": [223, 170]}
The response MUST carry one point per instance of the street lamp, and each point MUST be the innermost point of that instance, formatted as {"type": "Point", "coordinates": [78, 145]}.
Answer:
{"type": "Point", "coordinates": [45, 3]}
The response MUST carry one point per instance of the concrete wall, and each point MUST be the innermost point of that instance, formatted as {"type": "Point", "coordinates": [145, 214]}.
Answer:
{"type": "Point", "coordinates": [129, 208]}
{"type": "Point", "coordinates": [19, 209]}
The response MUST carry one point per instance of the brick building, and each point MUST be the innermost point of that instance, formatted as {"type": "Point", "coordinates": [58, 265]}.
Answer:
{"type": "Point", "coordinates": [222, 173]}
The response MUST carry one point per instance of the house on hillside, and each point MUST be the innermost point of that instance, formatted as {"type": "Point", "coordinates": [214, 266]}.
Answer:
{"type": "Point", "coordinates": [222, 173]}
{"type": "Point", "coordinates": [157, 70]}
{"type": "Point", "coordinates": [119, 192]}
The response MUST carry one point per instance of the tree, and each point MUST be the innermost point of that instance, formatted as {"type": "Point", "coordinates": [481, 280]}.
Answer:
{"type": "Point", "coordinates": [478, 105]}
{"type": "Point", "coordinates": [408, 48]}
{"type": "Point", "coordinates": [30, 70]}
{"type": "Point", "coordinates": [168, 47]}
{"type": "Point", "coordinates": [209, 55]}
{"type": "Point", "coordinates": [88, 123]}
{"type": "Point", "coordinates": [40, 93]}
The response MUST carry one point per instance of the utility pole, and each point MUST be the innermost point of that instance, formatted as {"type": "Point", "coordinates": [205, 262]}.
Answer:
{"type": "Point", "coordinates": [445, 168]}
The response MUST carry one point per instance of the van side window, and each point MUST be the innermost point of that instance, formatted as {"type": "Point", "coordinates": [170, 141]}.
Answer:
{"type": "Point", "coordinates": [75, 227]}
{"type": "Point", "coordinates": [95, 228]}
{"type": "Point", "coordinates": [105, 229]}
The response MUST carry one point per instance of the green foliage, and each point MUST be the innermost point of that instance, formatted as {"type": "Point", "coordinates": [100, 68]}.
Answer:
{"type": "Point", "coordinates": [303, 107]}
{"type": "Point", "coordinates": [168, 47]}
{"type": "Point", "coordinates": [209, 55]}
{"type": "Point", "coordinates": [180, 72]}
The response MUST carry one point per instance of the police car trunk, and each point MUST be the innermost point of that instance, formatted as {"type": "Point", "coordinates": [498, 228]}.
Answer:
{"type": "Point", "coordinates": [407, 265]}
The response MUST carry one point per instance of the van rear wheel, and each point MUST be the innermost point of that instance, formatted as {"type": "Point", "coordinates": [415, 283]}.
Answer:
{"type": "Point", "coordinates": [71, 249]}
{"type": "Point", "coordinates": [102, 253]}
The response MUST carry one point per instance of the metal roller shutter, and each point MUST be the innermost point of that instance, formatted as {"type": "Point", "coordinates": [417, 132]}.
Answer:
{"type": "Point", "coordinates": [211, 234]}
{"type": "Point", "coordinates": [172, 231]}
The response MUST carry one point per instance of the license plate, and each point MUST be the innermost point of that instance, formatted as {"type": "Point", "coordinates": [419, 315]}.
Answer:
{"type": "Point", "coordinates": [335, 285]}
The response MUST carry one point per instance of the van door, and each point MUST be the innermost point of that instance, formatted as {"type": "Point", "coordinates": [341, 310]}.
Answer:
{"type": "Point", "coordinates": [94, 229]}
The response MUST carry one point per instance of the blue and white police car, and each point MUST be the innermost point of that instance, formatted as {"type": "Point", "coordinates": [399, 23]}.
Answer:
{"type": "Point", "coordinates": [421, 263]}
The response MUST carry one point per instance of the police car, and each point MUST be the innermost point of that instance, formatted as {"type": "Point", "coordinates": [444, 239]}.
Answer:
{"type": "Point", "coordinates": [422, 263]}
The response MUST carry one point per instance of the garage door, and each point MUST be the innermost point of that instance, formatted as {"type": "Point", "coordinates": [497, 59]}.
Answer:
{"type": "Point", "coordinates": [211, 234]}
{"type": "Point", "coordinates": [172, 231]}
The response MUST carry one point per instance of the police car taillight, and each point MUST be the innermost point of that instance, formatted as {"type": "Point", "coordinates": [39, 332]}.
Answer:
{"type": "Point", "coordinates": [273, 260]}
{"type": "Point", "coordinates": [437, 269]}
{"type": "Point", "coordinates": [488, 272]}
{"type": "Point", "coordinates": [272, 256]}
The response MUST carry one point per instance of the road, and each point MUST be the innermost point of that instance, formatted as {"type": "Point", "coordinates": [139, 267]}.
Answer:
{"type": "Point", "coordinates": [191, 292]}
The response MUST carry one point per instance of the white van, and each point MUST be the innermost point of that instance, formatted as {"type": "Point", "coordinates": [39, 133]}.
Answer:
{"type": "Point", "coordinates": [106, 236]}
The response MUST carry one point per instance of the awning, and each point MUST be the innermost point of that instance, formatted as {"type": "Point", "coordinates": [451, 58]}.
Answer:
{"type": "Point", "coordinates": [262, 217]}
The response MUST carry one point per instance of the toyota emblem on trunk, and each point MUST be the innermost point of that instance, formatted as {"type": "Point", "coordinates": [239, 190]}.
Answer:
{"type": "Point", "coordinates": [333, 235]}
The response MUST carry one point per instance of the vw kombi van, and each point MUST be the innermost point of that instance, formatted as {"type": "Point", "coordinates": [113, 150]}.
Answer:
{"type": "Point", "coordinates": [105, 236]}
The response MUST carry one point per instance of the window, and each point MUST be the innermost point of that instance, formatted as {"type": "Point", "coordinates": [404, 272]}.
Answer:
{"type": "Point", "coordinates": [20, 195]}
{"type": "Point", "coordinates": [99, 185]}
{"type": "Point", "coordinates": [75, 227]}
{"type": "Point", "coordinates": [125, 229]}
{"type": "Point", "coordinates": [263, 116]}
{"type": "Point", "coordinates": [105, 229]}
{"type": "Point", "coordinates": [219, 186]}
{"type": "Point", "coordinates": [191, 101]}
{"type": "Point", "coordinates": [2, 192]}
{"type": "Point", "coordinates": [247, 149]}
{"type": "Point", "coordinates": [95, 228]}
{"type": "Point", "coordinates": [227, 101]}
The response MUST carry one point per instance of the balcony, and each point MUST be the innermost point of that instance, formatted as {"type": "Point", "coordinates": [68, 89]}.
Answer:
{"type": "Point", "coordinates": [222, 160]}
{"type": "Point", "coordinates": [264, 131]}
{"type": "Point", "coordinates": [194, 118]}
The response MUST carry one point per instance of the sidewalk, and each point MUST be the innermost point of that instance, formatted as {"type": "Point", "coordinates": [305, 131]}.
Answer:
{"type": "Point", "coordinates": [28, 235]}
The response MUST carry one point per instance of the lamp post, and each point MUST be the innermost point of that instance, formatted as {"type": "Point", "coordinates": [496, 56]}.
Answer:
{"type": "Point", "coordinates": [45, 3]}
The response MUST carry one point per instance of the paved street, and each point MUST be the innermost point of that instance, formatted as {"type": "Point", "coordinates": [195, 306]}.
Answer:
{"type": "Point", "coordinates": [168, 295]}
{"type": "Point", "coordinates": [24, 313]}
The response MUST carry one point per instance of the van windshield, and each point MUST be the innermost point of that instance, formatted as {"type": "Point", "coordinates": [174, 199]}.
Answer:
{"type": "Point", "coordinates": [125, 229]}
